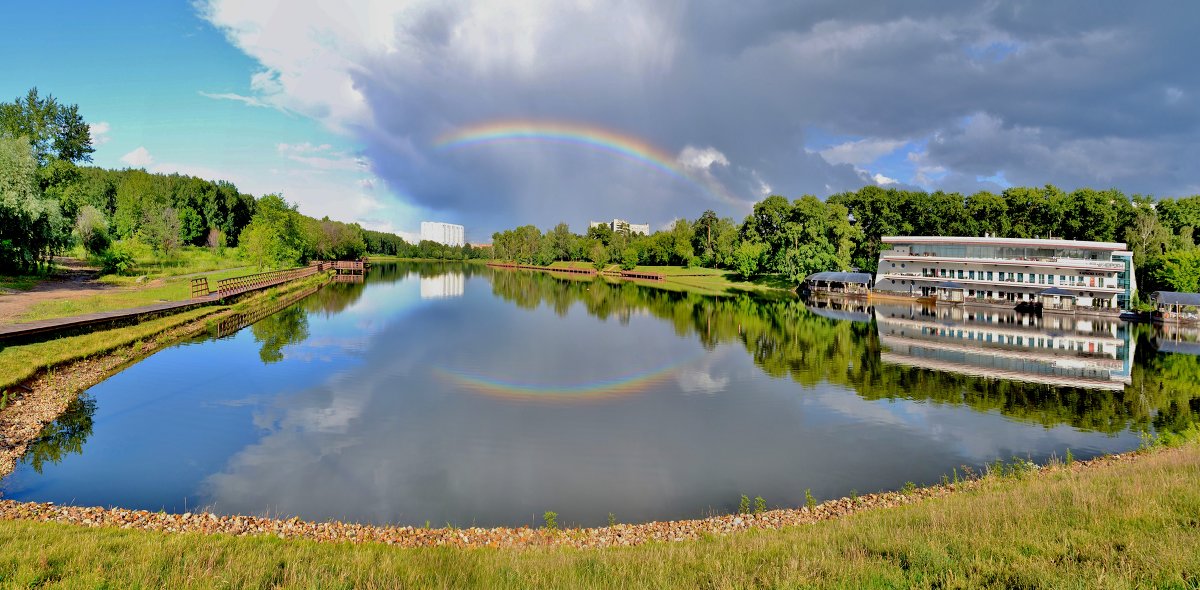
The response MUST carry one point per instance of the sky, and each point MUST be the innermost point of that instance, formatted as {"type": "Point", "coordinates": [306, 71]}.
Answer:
{"type": "Point", "coordinates": [498, 114]}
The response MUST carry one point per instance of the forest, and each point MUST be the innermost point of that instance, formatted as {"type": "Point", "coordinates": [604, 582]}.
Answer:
{"type": "Point", "coordinates": [52, 201]}
{"type": "Point", "coordinates": [843, 232]}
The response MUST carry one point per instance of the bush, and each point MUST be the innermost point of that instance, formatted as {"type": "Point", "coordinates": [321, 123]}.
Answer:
{"type": "Point", "coordinates": [92, 229]}
{"type": "Point", "coordinates": [117, 260]}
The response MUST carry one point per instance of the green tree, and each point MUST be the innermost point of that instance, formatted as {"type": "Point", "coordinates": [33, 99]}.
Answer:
{"type": "Point", "coordinates": [598, 254]}
{"type": "Point", "coordinates": [748, 258]}
{"type": "Point", "coordinates": [1180, 271]}
{"type": "Point", "coordinates": [31, 227]}
{"type": "Point", "coordinates": [92, 229]}
{"type": "Point", "coordinates": [53, 130]}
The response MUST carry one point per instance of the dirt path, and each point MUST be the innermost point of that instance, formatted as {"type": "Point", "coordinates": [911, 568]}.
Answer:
{"type": "Point", "coordinates": [72, 279]}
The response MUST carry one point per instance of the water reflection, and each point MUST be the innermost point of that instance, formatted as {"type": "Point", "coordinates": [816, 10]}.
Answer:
{"type": "Point", "coordinates": [1089, 353]}
{"type": "Point", "coordinates": [445, 285]}
{"type": "Point", "coordinates": [64, 436]}
{"type": "Point", "coordinates": [525, 392]}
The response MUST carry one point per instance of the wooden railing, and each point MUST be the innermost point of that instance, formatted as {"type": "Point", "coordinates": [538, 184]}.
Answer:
{"type": "Point", "coordinates": [200, 287]}
{"type": "Point", "coordinates": [562, 269]}
{"type": "Point", "coordinates": [234, 322]}
{"type": "Point", "coordinates": [236, 285]}
{"type": "Point", "coordinates": [357, 266]}
{"type": "Point", "coordinates": [645, 276]}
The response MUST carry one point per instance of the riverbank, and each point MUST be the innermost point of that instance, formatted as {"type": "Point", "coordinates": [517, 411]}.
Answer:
{"type": "Point", "coordinates": [38, 380]}
{"type": "Point", "coordinates": [1121, 521]}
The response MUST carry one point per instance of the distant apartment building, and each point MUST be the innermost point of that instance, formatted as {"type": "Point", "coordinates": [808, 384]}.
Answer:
{"type": "Point", "coordinates": [1059, 275]}
{"type": "Point", "coordinates": [622, 226]}
{"type": "Point", "coordinates": [443, 233]}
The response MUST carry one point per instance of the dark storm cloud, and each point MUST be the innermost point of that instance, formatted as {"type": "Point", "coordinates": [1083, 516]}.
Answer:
{"type": "Point", "coordinates": [1078, 93]}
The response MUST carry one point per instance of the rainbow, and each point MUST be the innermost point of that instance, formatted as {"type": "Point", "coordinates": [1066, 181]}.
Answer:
{"type": "Point", "coordinates": [593, 390]}
{"type": "Point", "coordinates": [591, 136]}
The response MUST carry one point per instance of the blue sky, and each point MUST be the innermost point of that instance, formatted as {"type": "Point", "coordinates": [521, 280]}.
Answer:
{"type": "Point", "coordinates": [339, 106]}
{"type": "Point", "coordinates": [146, 73]}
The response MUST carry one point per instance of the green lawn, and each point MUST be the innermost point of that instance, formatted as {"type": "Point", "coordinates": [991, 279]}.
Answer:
{"type": "Point", "coordinates": [1132, 524]}
{"type": "Point", "coordinates": [126, 293]}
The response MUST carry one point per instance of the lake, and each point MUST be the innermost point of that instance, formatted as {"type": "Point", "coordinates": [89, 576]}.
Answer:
{"type": "Point", "coordinates": [463, 395]}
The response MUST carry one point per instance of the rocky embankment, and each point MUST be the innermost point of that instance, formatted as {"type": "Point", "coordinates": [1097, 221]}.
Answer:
{"type": "Point", "coordinates": [407, 536]}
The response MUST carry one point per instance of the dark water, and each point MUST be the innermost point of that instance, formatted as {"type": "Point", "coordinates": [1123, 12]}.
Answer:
{"type": "Point", "coordinates": [463, 395]}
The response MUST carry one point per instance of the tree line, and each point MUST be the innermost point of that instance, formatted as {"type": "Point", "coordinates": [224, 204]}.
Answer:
{"type": "Point", "coordinates": [844, 232]}
{"type": "Point", "coordinates": [50, 200]}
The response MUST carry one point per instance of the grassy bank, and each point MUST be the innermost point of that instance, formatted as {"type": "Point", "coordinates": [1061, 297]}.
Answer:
{"type": "Point", "coordinates": [1132, 523]}
{"type": "Point", "coordinates": [705, 281]}
{"type": "Point", "coordinates": [21, 361]}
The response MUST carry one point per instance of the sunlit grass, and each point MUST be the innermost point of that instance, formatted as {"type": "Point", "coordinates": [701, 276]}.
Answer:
{"type": "Point", "coordinates": [1131, 524]}
{"type": "Point", "coordinates": [126, 293]}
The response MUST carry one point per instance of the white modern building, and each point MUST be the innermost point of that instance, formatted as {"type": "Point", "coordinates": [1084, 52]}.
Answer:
{"type": "Point", "coordinates": [443, 233]}
{"type": "Point", "coordinates": [620, 225]}
{"type": "Point", "coordinates": [1058, 275]}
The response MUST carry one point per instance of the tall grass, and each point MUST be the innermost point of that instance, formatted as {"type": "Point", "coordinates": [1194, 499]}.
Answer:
{"type": "Point", "coordinates": [1130, 524]}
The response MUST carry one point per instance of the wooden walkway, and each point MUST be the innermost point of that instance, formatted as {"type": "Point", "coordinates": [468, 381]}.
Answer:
{"type": "Point", "coordinates": [41, 327]}
{"type": "Point", "coordinates": [201, 296]}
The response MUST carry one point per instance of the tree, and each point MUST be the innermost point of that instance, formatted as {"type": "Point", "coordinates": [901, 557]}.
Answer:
{"type": "Point", "coordinates": [1180, 271]}
{"type": "Point", "coordinates": [705, 241]}
{"type": "Point", "coordinates": [598, 254]}
{"type": "Point", "coordinates": [31, 227]}
{"type": "Point", "coordinates": [1146, 236]}
{"type": "Point", "coordinates": [53, 130]}
{"type": "Point", "coordinates": [92, 229]}
{"type": "Point", "coordinates": [161, 230]}
{"type": "Point", "coordinates": [748, 258]}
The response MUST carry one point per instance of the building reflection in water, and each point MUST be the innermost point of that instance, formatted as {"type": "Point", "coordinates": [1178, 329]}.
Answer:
{"type": "Point", "coordinates": [444, 285]}
{"type": "Point", "coordinates": [1175, 338]}
{"type": "Point", "coordinates": [1094, 353]}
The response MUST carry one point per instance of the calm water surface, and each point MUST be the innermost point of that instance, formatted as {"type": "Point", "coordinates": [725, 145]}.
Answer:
{"type": "Point", "coordinates": [459, 394]}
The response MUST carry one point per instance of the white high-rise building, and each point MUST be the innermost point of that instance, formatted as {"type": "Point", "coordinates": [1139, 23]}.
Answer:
{"type": "Point", "coordinates": [443, 233]}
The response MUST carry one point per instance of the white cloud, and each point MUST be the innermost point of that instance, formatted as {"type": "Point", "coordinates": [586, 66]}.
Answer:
{"type": "Point", "coordinates": [302, 148]}
{"type": "Point", "coordinates": [247, 100]}
{"type": "Point", "coordinates": [138, 158]}
{"type": "Point", "coordinates": [99, 131]}
{"type": "Point", "coordinates": [860, 152]}
{"type": "Point", "coordinates": [1173, 95]}
{"type": "Point", "coordinates": [701, 158]}
{"type": "Point", "coordinates": [883, 180]}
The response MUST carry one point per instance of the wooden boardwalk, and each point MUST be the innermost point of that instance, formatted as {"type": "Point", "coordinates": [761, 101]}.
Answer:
{"type": "Point", "coordinates": [41, 327]}
{"type": "Point", "coordinates": [201, 296]}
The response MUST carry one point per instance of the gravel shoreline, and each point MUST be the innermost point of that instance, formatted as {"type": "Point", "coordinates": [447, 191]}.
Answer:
{"type": "Point", "coordinates": [501, 537]}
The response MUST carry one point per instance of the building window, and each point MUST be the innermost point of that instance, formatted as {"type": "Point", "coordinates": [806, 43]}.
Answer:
{"type": "Point", "coordinates": [971, 275]}
{"type": "Point", "coordinates": [960, 273]}
{"type": "Point", "coordinates": [989, 275]}
{"type": "Point", "coordinates": [1020, 277]}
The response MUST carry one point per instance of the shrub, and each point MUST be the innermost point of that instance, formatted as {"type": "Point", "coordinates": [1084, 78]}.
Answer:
{"type": "Point", "coordinates": [92, 230]}
{"type": "Point", "coordinates": [551, 519]}
{"type": "Point", "coordinates": [117, 260]}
